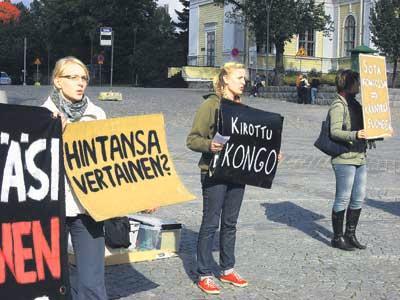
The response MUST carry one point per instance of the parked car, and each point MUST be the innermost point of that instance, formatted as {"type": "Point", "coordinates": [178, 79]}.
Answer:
{"type": "Point", "coordinates": [4, 78]}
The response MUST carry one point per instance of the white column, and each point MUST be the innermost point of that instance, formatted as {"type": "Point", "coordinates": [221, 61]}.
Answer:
{"type": "Point", "coordinates": [193, 33]}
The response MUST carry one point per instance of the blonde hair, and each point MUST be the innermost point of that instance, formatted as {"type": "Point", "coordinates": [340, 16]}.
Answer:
{"type": "Point", "coordinates": [226, 69]}
{"type": "Point", "coordinates": [61, 63]}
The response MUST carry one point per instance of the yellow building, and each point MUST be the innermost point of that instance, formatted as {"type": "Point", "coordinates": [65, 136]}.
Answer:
{"type": "Point", "coordinates": [214, 39]}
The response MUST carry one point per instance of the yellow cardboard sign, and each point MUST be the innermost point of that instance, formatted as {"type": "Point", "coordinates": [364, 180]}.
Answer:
{"type": "Point", "coordinates": [122, 165]}
{"type": "Point", "coordinates": [375, 96]}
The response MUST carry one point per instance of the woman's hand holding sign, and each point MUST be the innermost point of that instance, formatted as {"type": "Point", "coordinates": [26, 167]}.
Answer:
{"type": "Point", "coordinates": [216, 147]}
{"type": "Point", "coordinates": [361, 134]}
{"type": "Point", "coordinates": [280, 156]}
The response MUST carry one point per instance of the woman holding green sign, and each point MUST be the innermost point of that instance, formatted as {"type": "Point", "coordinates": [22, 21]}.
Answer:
{"type": "Point", "coordinates": [68, 101]}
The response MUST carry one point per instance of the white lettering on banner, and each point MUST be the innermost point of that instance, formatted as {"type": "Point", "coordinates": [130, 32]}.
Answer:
{"type": "Point", "coordinates": [55, 168]}
{"type": "Point", "coordinates": [13, 172]}
{"type": "Point", "coordinates": [375, 124]}
{"type": "Point", "coordinates": [4, 137]}
{"type": "Point", "coordinates": [241, 157]}
{"type": "Point", "coordinates": [377, 108]}
{"type": "Point", "coordinates": [226, 154]}
{"type": "Point", "coordinates": [374, 83]}
{"type": "Point", "coordinates": [13, 166]}
{"type": "Point", "coordinates": [35, 148]}
{"type": "Point", "coordinates": [24, 138]}
{"type": "Point", "coordinates": [371, 69]}
{"type": "Point", "coordinates": [244, 128]}
{"type": "Point", "coordinates": [246, 157]}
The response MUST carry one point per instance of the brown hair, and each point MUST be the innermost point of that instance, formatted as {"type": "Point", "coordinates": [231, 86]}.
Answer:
{"type": "Point", "coordinates": [226, 69]}
{"type": "Point", "coordinates": [345, 79]}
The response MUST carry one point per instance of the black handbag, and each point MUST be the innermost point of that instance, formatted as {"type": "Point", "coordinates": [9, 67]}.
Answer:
{"type": "Point", "coordinates": [116, 232]}
{"type": "Point", "coordinates": [328, 145]}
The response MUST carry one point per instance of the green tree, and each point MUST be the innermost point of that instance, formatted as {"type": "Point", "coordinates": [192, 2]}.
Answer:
{"type": "Point", "coordinates": [144, 42]}
{"type": "Point", "coordinates": [385, 28]}
{"type": "Point", "coordinates": [183, 30]}
{"type": "Point", "coordinates": [12, 44]}
{"type": "Point", "coordinates": [287, 18]}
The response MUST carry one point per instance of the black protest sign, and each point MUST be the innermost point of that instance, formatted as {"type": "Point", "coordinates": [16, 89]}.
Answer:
{"type": "Point", "coordinates": [33, 257]}
{"type": "Point", "coordinates": [251, 154]}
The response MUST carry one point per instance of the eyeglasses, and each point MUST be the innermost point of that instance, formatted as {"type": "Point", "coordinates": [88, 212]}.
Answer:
{"type": "Point", "coordinates": [76, 78]}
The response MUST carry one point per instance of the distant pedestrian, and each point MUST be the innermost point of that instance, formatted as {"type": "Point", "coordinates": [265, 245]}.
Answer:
{"type": "Point", "coordinates": [314, 90]}
{"type": "Point", "coordinates": [350, 168]}
{"type": "Point", "coordinates": [299, 77]}
{"type": "Point", "coordinates": [256, 85]}
{"type": "Point", "coordinates": [221, 200]}
{"type": "Point", "coordinates": [305, 90]}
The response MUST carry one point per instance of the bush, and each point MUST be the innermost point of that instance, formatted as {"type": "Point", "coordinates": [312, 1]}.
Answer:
{"type": "Point", "coordinates": [314, 73]}
{"type": "Point", "coordinates": [290, 79]}
{"type": "Point", "coordinates": [328, 79]}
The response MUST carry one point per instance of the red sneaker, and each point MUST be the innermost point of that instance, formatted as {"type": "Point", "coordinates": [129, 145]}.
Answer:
{"type": "Point", "coordinates": [234, 278]}
{"type": "Point", "coordinates": [207, 285]}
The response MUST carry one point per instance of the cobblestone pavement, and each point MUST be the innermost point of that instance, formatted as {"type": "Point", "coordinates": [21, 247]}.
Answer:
{"type": "Point", "coordinates": [283, 233]}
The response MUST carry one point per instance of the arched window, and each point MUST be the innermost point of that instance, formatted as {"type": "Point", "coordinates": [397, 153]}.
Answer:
{"type": "Point", "coordinates": [349, 34]}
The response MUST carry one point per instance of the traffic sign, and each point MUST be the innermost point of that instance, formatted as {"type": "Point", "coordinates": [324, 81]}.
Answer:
{"type": "Point", "coordinates": [105, 36]}
{"type": "Point", "coordinates": [235, 52]}
{"type": "Point", "coordinates": [106, 30]}
{"type": "Point", "coordinates": [37, 62]}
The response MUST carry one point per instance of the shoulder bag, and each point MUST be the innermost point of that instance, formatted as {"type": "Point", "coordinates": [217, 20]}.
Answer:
{"type": "Point", "coordinates": [328, 145]}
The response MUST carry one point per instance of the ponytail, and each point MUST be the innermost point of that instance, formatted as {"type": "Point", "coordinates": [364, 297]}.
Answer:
{"type": "Point", "coordinates": [226, 69]}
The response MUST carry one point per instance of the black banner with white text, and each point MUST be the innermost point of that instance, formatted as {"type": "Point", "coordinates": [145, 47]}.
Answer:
{"type": "Point", "coordinates": [33, 259]}
{"type": "Point", "coordinates": [250, 156]}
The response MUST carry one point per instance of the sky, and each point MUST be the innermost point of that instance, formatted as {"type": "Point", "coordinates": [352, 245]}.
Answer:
{"type": "Point", "coordinates": [173, 4]}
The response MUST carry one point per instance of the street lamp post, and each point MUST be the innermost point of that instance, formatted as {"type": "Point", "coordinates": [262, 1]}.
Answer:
{"type": "Point", "coordinates": [361, 22]}
{"type": "Point", "coordinates": [268, 8]}
{"type": "Point", "coordinates": [25, 46]}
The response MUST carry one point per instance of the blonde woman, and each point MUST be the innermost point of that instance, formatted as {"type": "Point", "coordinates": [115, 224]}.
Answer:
{"type": "Point", "coordinates": [68, 100]}
{"type": "Point", "coordinates": [221, 200]}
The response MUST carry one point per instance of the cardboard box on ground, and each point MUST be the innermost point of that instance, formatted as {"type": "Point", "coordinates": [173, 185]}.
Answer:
{"type": "Point", "coordinates": [151, 238]}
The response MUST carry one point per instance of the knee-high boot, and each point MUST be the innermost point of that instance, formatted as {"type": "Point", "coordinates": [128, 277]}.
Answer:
{"type": "Point", "coordinates": [338, 240]}
{"type": "Point", "coordinates": [352, 217]}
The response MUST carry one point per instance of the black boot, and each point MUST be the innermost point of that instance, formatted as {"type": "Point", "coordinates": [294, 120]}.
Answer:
{"type": "Point", "coordinates": [352, 217]}
{"type": "Point", "coordinates": [338, 240]}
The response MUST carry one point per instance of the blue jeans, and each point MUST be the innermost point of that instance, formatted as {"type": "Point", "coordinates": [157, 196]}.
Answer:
{"type": "Point", "coordinates": [221, 203]}
{"type": "Point", "coordinates": [87, 277]}
{"type": "Point", "coordinates": [351, 184]}
{"type": "Point", "coordinates": [313, 95]}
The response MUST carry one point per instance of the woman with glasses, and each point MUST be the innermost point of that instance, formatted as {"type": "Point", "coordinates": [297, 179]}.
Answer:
{"type": "Point", "coordinates": [68, 100]}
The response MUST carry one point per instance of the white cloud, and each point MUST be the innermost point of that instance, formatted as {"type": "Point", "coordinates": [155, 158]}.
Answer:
{"type": "Point", "coordinates": [172, 4]}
